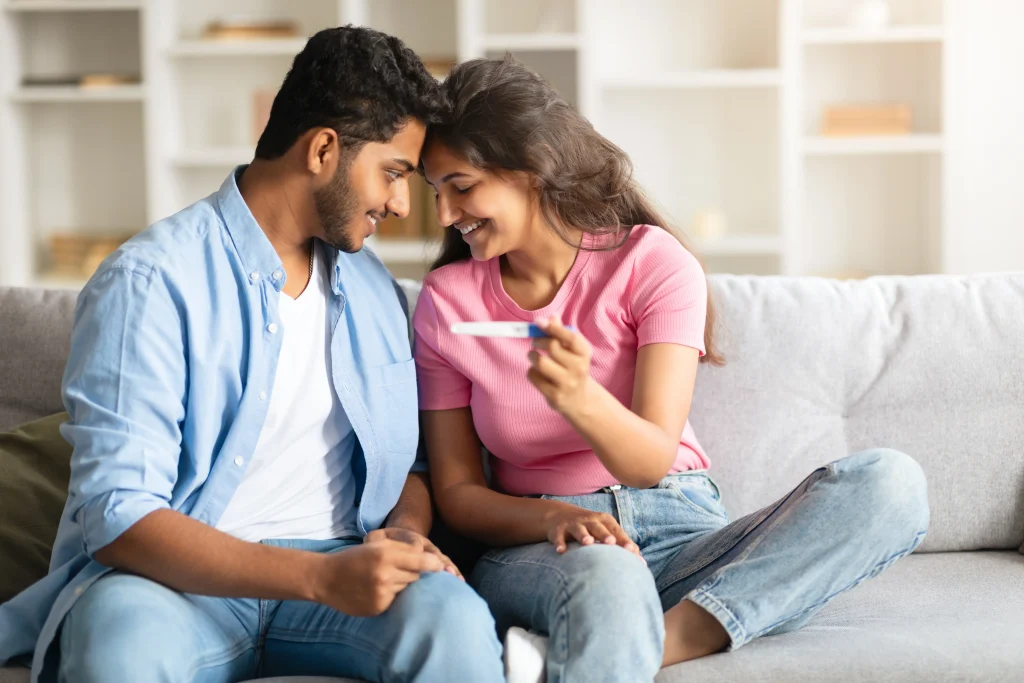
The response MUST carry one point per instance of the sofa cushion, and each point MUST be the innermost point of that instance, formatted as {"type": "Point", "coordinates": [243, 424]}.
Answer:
{"type": "Point", "coordinates": [817, 369]}
{"type": "Point", "coordinates": [35, 335]}
{"type": "Point", "coordinates": [932, 617]}
{"type": "Point", "coordinates": [34, 469]}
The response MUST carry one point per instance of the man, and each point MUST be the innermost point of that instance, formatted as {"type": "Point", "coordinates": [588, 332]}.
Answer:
{"type": "Point", "coordinates": [245, 498]}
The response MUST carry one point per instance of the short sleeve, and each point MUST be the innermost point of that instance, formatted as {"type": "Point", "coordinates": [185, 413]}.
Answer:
{"type": "Point", "coordinates": [441, 386]}
{"type": "Point", "coordinates": [669, 293]}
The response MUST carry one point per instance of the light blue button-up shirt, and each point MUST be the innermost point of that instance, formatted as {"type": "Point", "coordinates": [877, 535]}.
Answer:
{"type": "Point", "coordinates": [173, 357]}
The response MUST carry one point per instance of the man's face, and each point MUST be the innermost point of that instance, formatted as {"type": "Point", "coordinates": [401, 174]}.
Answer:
{"type": "Point", "coordinates": [367, 188]}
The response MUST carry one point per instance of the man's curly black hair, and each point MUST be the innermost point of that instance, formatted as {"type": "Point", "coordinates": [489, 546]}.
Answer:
{"type": "Point", "coordinates": [362, 83]}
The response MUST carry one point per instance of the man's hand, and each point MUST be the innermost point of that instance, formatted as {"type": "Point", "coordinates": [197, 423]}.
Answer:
{"type": "Point", "coordinates": [363, 580]}
{"type": "Point", "coordinates": [415, 539]}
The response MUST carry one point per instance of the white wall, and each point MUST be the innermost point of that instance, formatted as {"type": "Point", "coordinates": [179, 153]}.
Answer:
{"type": "Point", "coordinates": [986, 146]}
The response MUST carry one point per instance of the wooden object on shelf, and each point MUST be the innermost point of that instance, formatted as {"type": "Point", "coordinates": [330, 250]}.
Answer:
{"type": "Point", "coordinates": [87, 81]}
{"type": "Point", "coordinates": [420, 223]}
{"type": "Point", "coordinates": [106, 80]}
{"type": "Point", "coordinates": [262, 101]}
{"type": "Point", "coordinates": [439, 68]}
{"type": "Point", "coordinates": [249, 29]}
{"type": "Point", "coordinates": [845, 120]}
{"type": "Point", "coordinates": [74, 255]}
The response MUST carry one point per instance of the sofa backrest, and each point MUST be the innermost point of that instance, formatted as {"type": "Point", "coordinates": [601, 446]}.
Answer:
{"type": "Point", "coordinates": [35, 329]}
{"type": "Point", "coordinates": [816, 369]}
{"type": "Point", "coordinates": [929, 365]}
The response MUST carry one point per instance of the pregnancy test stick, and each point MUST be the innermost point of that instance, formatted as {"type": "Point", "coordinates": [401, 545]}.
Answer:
{"type": "Point", "coordinates": [500, 329]}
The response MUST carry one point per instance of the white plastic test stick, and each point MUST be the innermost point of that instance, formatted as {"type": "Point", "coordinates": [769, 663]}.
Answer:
{"type": "Point", "coordinates": [512, 330]}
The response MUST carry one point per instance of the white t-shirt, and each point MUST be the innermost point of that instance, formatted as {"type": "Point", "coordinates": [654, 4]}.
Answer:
{"type": "Point", "coordinates": [299, 483]}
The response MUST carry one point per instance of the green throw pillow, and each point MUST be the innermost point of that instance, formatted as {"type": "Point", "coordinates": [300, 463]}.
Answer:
{"type": "Point", "coordinates": [35, 463]}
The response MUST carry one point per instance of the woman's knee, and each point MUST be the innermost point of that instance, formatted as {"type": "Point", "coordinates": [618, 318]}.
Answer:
{"type": "Point", "coordinates": [892, 485]}
{"type": "Point", "coordinates": [609, 579]}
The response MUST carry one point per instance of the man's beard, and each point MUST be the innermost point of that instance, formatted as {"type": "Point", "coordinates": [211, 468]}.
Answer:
{"type": "Point", "coordinates": [336, 207]}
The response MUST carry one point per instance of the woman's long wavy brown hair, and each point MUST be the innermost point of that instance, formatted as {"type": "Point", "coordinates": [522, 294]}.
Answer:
{"type": "Point", "coordinates": [505, 118]}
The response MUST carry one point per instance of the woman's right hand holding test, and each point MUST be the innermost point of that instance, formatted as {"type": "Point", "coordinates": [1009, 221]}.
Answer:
{"type": "Point", "coordinates": [567, 522]}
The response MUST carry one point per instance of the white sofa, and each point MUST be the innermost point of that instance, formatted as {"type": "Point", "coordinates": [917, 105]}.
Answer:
{"type": "Point", "coordinates": [933, 366]}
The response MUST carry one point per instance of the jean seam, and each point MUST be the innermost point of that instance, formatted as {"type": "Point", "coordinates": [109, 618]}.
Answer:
{"type": "Point", "coordinates": [304, 637]}
{"type": "Point", "coordinates": [236, 651]}
{"type": "Point", "coordinates": [677, 491]}
{"type": "Point", "coordinates": [561, 610]}
{"type": "Point", "coordinates": [718, 609]}
{"type": "Point", "coordinates": [874, 571]}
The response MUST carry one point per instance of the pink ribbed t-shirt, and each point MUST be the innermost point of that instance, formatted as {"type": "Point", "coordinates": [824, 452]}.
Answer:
{"type": "Point", "coordinates": [649, 290]}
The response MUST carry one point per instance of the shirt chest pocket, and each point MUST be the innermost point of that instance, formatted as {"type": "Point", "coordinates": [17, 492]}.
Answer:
{"type": "Point", "coordinates": [396, 412]}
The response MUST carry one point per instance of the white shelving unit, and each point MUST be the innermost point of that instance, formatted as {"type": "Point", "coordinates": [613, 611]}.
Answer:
{"type": "Point", "coordinates": [718, 104]}
{"type": "Point", "coordinates": [697, 105]}
{"type": "Point", "coordinates": [869, 205]}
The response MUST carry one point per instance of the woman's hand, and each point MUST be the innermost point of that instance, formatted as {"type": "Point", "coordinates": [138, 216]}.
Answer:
{"type": "Point", "coordinates": [562, 373]}
{"type": "Point", "coordinates": [568, 522]}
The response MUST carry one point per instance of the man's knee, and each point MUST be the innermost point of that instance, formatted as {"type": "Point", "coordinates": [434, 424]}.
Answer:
{"type": "Point", "coordinates": [119, 630]}
{"type": "Point", "coordinates": [443, 603]}
{"type": "Point", "coordinates": [446, 617]}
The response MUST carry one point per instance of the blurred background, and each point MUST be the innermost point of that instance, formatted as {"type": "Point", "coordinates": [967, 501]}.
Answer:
{"type": "Point", "coordinates": [843, 138]}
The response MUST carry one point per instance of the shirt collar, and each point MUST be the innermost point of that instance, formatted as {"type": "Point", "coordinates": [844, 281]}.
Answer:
{"type": "Point", "coordinates": [258, 256]}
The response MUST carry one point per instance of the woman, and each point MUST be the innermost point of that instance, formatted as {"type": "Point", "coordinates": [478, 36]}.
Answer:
{"type": "Point", "coordinates": [607, 533]}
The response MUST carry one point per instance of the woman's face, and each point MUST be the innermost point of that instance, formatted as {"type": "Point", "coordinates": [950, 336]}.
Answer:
{"type": "Point", "coordinates": [494, 212]}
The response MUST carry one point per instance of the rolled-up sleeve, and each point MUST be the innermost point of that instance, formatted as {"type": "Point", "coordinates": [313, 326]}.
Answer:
{"type": "Point", "coordinates": [124, 387]}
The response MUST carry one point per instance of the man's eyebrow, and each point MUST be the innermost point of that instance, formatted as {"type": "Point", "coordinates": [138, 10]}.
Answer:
{"type": "Point", "coordinates": [405, 164]}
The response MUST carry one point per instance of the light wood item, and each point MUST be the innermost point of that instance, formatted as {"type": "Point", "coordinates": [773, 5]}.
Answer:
{"type": "Point", "coordinates": [79, 255]}
{"type": "Point", "coordinates": [419, 221]}
{"type": "Point", "coordinates": [439, 68]}
{"type": "Point", "coordinates": [106, 80]}
{"type": "Point", "coordinates": [866, 119]}
{"type": "Point", "coordinates": [249, 30]}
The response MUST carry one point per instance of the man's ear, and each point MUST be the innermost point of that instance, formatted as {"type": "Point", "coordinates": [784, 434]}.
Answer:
{"type": "Point", "coordinates": [323, 152]}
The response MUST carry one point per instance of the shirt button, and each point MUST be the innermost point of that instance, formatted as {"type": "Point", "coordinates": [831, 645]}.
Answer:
{"type": "Point", "coordinates": [79, 591]}
{"type": "Point", "coordinates": [272, 328]}
{"type": "Point", "coordinates": [276, 275]}
{"type": "Point", "coordinates": [239, 460]}
{"type": "Point", "coordinates": [263, 396]}
{"type": "Point", "coordinates": [254, 275]}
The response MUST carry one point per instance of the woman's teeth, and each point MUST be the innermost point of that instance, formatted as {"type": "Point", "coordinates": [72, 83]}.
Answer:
{"type": "Point", "coordinates": [466, 229]}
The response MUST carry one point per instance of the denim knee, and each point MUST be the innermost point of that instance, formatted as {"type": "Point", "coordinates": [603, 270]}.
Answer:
{"type": "Point", "coordinates": [605, 579]}
{"type": "Point", "coordinates": [444, 616]}
{"type": "Point", "coordinates": [103, 639]}
{"type": "Point", "coordinates": [893, 485]}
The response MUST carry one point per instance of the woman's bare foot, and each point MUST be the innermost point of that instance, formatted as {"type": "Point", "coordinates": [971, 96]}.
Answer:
{"type": "Point", "coordinates": [690, 632]}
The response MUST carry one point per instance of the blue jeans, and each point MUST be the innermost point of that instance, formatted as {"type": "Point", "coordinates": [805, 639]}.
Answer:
{"type": "Point", "coordinates": [127, 628]}
{"type": "Point", "coordinates": [764, 574]}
